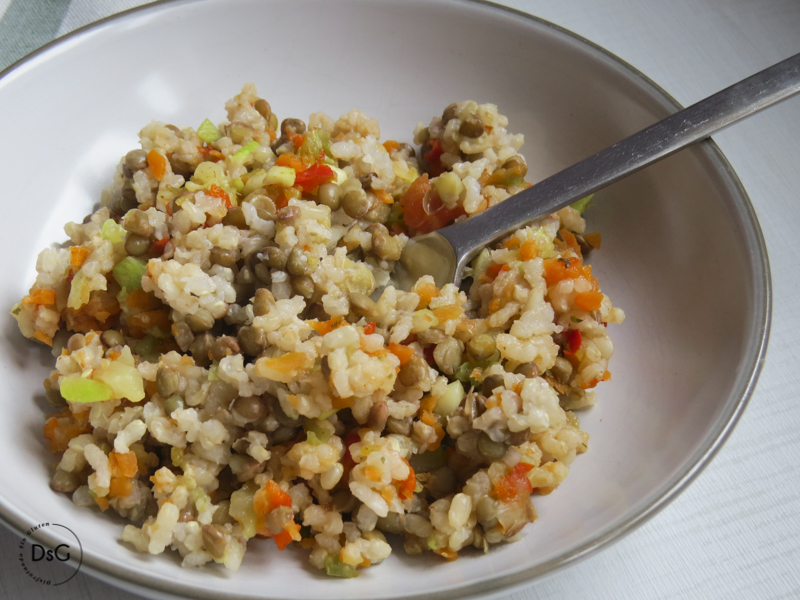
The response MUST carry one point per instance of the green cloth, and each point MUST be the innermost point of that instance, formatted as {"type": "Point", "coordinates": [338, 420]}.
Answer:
{"type": "Point", "coordinates": [27, 25]}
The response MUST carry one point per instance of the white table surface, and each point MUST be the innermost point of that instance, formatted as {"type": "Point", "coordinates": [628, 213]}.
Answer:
{"type": "Point", "coordinates": [735, 533]}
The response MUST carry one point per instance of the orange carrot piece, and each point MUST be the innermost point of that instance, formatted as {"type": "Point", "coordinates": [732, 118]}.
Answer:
{"type": "Point", "coordinates": [127, 464]}
{"type": "Point", "coordinates": [157, 163]}
{"type": "Point", "coordinates": [426, 292]}
{"type": "Point", "coordinates": [593, 239]}
{"type": "Point", "coordinates": [40, 296]}
{"type": "Point", "coordinates": [528, 250]}
{"type": "Point", "coordinates": [588, 301]}
{"type": "Point", "coordinates": [120, 487]}
{"type": "Point", "coordinates": [448, 313]}
{"type": "Point", "coordinates": [383, 196]}
{"type": "Point", "coordinates": [407, 487]}
{"type": "Point", "coordinates": [404, 353]}
{"type": "Point", "coordinates": [43, 337]}
{"type": "Point", "coordinates": [290, 160]}
{"type": "Point", "coordinates": [78, 255]}
{"type": "Point", "coordinates": [391, 145]}
{"type": "Point", "coordinates": [217, 192]}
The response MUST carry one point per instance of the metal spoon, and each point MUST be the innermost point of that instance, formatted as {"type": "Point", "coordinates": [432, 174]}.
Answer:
{"type": "Point", "coordinates": [445, 253]}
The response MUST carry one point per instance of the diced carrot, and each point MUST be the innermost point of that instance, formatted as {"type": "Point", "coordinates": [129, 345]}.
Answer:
{"type": "Point", "coordinates": [158, 164]}
{"type": "Point", "coordinates": [426, 292]}
{"type": "Point", "coordinates": [120, 487]}
{"type": "Point", "coordinates": [43, 337]}
{"type": "Point", "coordinates": [494, 305]}
{"type": "Point", "coordinates": [570, 241]}
{"type": "Point", "coordinates": [593, 239]}
{"type": "Point", "coordinates": [291, 361]}
{"type": "Point", "coordinates": [428, 418]}
{"type": "Point", "coordinates": [491, 273]}
{"type": "Point", "coordinates": [369, 328]}
{"type": "Point", "coordinates": [606, 376]}
{"type": "Point", "coordinates": [61, 428]}
{"type": "Point", "coordinates": [427, 404]}
{"type": "Point", "coordinates": [383, 196]}
{"type": "Point", "coordinates": [77, 255]}
{"type": "Point", "coordinates": [217, 192]}
{"type": "Point", "coordinates": [126, 462]}
{"type": "Point", "coordinates": [44, 296]}
{"type": "Point", "coordinates": [558, 269]}
{"type": "Point", "coordinates": [289, 534]}
{"type": "Point", "coordinates": [373, 473]}
{"type": "Point", "coordinates": [513, 485]}
{"type": "Point", "coordinates": [391, 145]}
{"type": "Point", "coordinates": [528, 250]}
{"type": "Point", "coordinates": [407, 487]}
{"type": "Point", "coordinates": [588, 301]}
{"type": "Point", "coordinates": [404, 353]}
{"type": "Point", "coordinates": [511, 242]}
{"type": "Point", "coordinates": [323, 327]}
{"type": "Point", "coordinates": [102, 502]}
{"type": "Point", "coordinates": [290, 160]}
{"type": "Point", "coordinates": [448, 313]}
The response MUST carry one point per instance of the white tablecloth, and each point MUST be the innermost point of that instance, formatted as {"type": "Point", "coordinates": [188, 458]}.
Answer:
{"type": "Point", "coordinates": [735, 533]}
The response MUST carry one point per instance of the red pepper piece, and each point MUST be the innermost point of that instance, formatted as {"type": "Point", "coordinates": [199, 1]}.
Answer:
{"type": "Point", "coordinates": [313, 177]}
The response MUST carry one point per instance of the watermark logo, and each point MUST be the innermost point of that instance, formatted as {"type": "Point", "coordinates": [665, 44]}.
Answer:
{"type": "Point", "coordinates": [48, 564]}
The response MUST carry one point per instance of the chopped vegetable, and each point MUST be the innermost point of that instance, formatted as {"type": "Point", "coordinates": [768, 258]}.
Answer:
{"type": "Point", "coordinates": [245, 151]}
{"type": "Point", "coordinates": [81, 389]}
{"type": "Point", "coordinates": [515, 485]}
{"type": "Point", "coordinates": [113, 231]}
{"type": "Point", "coordinates": [129, 272]}
{"type": "Point", "coordinates": [282, 176]}
{"type": "Point", "coordinates": [588, 301]}
{"type": "Point", "coordinates": [447, 403]}
{"type": "Point", "coordinates": [313, 177]}
{"type": "Point", "coordinates": [157, 163]}
{"type": "Point", "coordinates": [582, 204]}
{"type": "Point", "coordinates": [40, 296]}
{"type": "Point", "coordinates": [208, 132]}
{"type": "Point", "coordinates": [123, 379]}
{"type": "Point", "coordinates": [336, 568]}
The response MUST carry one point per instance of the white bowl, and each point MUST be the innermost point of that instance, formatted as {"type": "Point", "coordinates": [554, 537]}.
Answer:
{"type": "Point", "coordinates": [682, 251]}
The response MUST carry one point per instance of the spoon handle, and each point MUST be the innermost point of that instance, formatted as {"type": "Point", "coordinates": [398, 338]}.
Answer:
{"type": "Point", "coordinates": [643, 148]}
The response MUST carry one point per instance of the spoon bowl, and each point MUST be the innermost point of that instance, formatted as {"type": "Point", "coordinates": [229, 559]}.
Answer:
{"type": "Point", "coordinates": [444, 254]}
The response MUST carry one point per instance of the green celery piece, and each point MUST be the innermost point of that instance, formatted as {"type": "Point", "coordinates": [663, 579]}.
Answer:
{"type": "Point", "coordinates": [325, 415]}
{"type": "Point", "coordinates": [81, 389]}
{"type": "Point", "coordinates": [208, 132]}
{"type": "Point", "coordinates": [336, 568]}
{"type": "Point", "coordinates": [450, 400]}
{"type": "Point", "coordinates": [129, 272]}
{"type": "Point", "coordinates": [582, 204]}
{"type": "Point", "coordinates": [316, 433]}
{"type": "Point", "coordinates": [113, 231]}
{"type": "Point", "coordinates": [245, 151]}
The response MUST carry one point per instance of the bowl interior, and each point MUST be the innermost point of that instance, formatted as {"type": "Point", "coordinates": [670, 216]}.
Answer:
{"type": "Point", "coordinates": [680, 250]}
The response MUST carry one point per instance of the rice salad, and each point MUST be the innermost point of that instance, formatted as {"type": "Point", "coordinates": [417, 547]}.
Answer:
{"type": "Point", "coordinates": [233, 362]}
